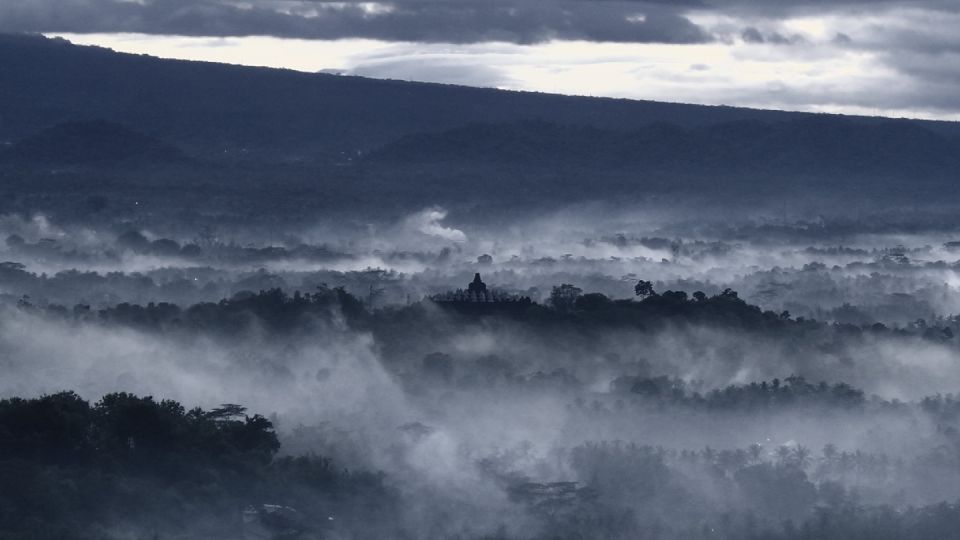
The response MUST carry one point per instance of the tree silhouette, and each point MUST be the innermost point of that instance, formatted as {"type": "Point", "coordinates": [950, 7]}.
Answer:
{"type": "Point", "coordinates": [564, 296]}
{"type": "Point", "coordinates": [644, 289]}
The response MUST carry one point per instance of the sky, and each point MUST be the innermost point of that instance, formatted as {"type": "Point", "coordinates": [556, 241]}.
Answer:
{"type": "Point", "coordinates": [875, 57]}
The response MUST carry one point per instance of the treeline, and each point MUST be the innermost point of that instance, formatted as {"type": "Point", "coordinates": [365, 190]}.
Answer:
{"type": "Point", "coordinates": [755, 396]}
{"type": "Point", "coordinates": [201, 250]}
{"type": "Point", "coordinates": [568, 308]}
{"type": "Point", "coordinates": [129, 465]}
{"type": "Point", "coordinates": [273, 310]}
{"type": "Point", "coordinates": [135, 467]}
{"type": "Point", "coordinates": [789, 492]}
{"type": "Point", "coordinates": [183, 286]}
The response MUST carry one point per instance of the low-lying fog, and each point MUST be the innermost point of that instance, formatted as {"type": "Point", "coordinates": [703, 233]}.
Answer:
{"type": "Point", "coordinates": [834, 271]}
{"type": "Point", "coordinates": [475, 420]}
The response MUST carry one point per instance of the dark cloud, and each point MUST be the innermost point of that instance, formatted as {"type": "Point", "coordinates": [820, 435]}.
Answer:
{"type": "Point", "coordinates": [758, 7]}
{"type": "Point", "coordinates": [842, 39]}
{"type": "Point", "coordinates": [457, 21]}
{"type": "Point", "coordinates": [454, 21]}
{"type": "Point", "coordinates": [752, 35]}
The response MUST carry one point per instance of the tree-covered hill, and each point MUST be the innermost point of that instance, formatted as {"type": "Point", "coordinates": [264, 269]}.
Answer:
{"type": "Point", "coordinates": [267, 142]}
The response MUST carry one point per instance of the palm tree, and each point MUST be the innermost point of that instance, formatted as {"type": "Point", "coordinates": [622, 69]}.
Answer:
{"type": "Point", "coordinates": [801, 456]}
{"type": "Point", "coordinates": [783, 454]}
{"type": "Point", "coordinates": [755, 450]}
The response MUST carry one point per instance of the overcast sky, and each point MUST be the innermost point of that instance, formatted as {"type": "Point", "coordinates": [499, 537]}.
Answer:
{"type": "Point", "coordinates": [896, 58]}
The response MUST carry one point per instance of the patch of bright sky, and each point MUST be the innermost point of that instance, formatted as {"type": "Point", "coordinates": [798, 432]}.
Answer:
{"type": "Point", "coordinates": [818, 77]}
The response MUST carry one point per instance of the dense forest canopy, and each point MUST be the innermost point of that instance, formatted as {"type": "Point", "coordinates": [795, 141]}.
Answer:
{"type": "Point", "coordinates": [211, 464]}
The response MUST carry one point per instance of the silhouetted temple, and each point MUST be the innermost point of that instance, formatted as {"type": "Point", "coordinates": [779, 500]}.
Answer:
{"type": "Point", "coordinates": [477, 286]}
{"type": "Point", "coordinates": [477, 293]}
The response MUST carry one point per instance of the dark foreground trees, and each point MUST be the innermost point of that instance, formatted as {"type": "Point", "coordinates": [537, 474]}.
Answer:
{"type": "Point", "coordinates": [134, 467]}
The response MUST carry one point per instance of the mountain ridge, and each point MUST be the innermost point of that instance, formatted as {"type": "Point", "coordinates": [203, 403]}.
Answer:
{"type": "Point", "coordinates": [220, 109]}
{"type": "Point", "coordinates": [285, 145]}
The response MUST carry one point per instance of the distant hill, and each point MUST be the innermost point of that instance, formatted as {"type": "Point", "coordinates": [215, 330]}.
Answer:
{"type": "Point", "coordinates": [825, 146]}
{"type": "Point", "coordinates": [90, 143]}
{"type": "Point", "coordinates": [255, 143]}
{"type": "Point", "coordinates": [223, 110]}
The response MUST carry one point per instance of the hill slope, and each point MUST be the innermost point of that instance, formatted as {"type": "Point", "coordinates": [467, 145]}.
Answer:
{"type": "Point", "coordinates": [221, 109]}
{"type": "Point", "coordinates": [282, 145]}
{"type": "Point", "coordinates": [90, 143]}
